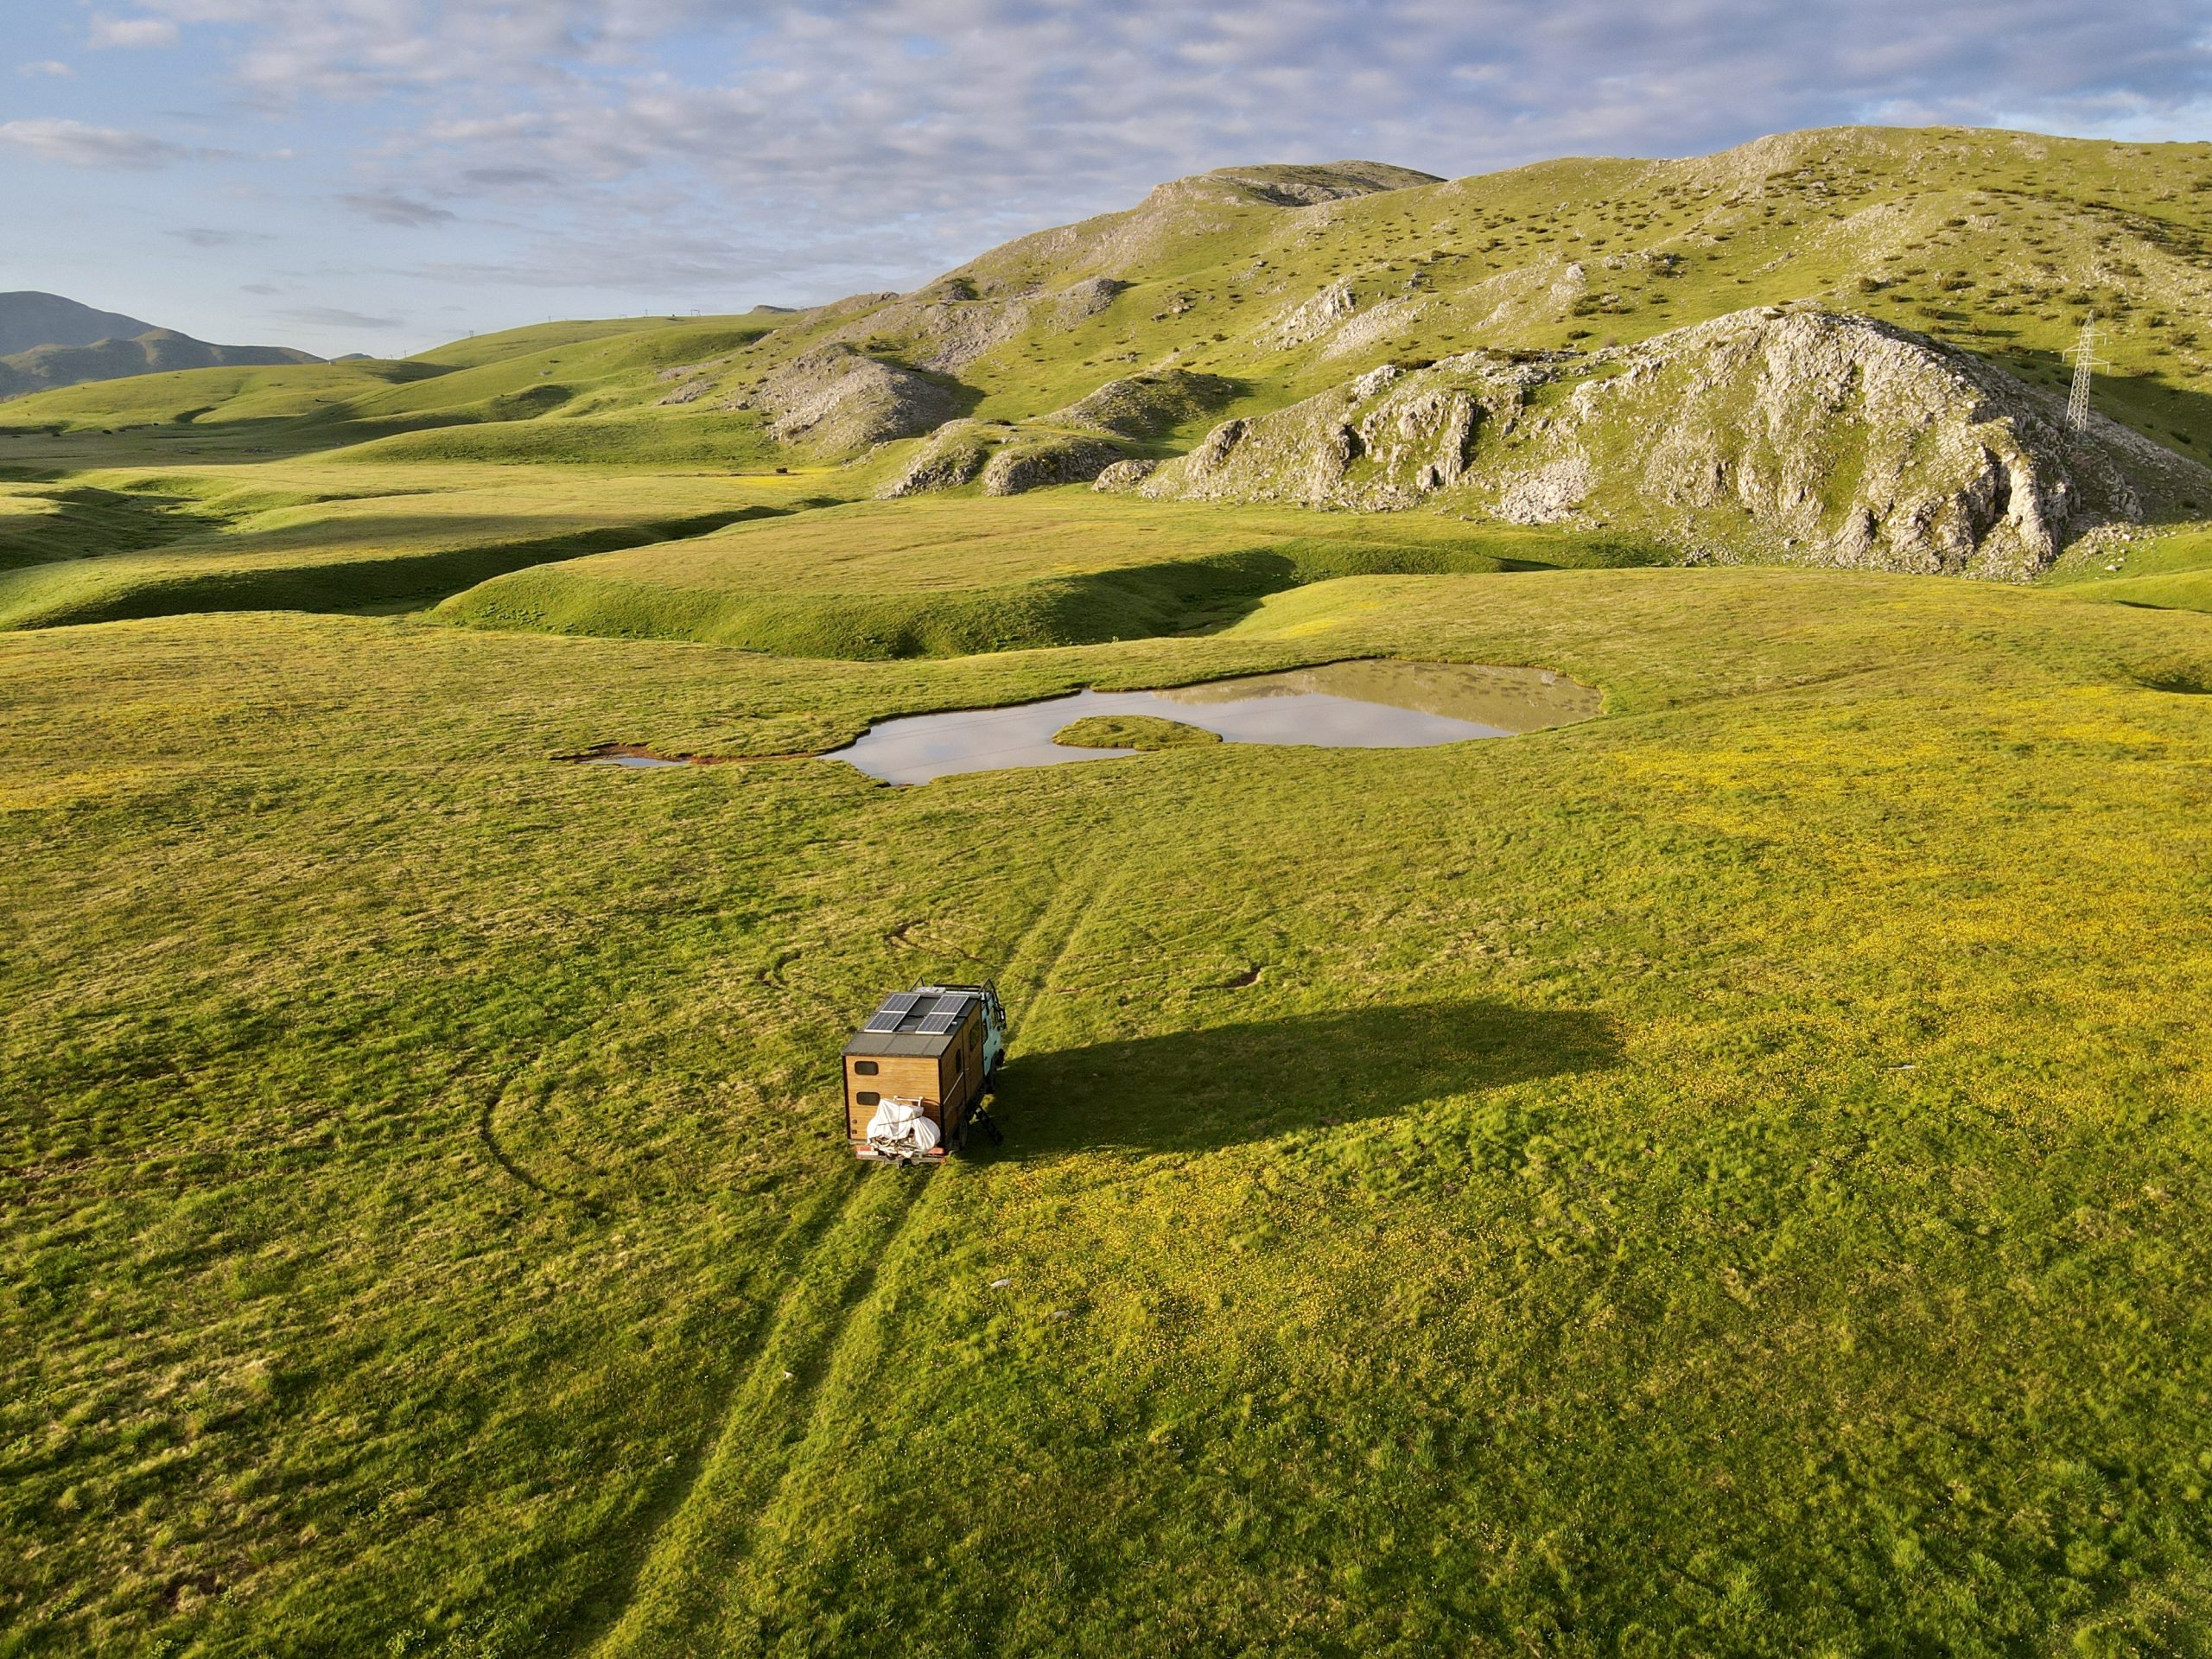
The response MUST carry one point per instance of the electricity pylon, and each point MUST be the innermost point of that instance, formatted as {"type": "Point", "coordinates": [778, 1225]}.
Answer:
{"type": "Point", "coordinates": [2085, 365]}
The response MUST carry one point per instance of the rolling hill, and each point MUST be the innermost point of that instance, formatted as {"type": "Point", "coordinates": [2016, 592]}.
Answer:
{"type": "Point", "coordinates": [1954, 267]}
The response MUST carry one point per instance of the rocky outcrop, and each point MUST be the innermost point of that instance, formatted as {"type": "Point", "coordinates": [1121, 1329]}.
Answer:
{"type": "Point", "coordinates": [1314, 317]}
{"type": "Point", "coordinates": [1148, 405]}
{"type": "Point", "coordinates": [1008, 460]}
{"type": "Point", "coordinates": [837, 400]}
{"type": "Point", "coordinates": [1124, 476]}
{"type": "Point", "coordinates": [1386, 440]}
{"type": "Point", "coordinates": [1080, 302]}
{"type": "Point", "coordinates": [1766, 433]}
{"type": "Point", "coordinates": [942, 329]}
{"type": "Point", "coordinates": [1022, 466]}
{"type": "Point", "coordinates": [955, 454]}
{"type": "Point", "coordinates": [1283, 186]}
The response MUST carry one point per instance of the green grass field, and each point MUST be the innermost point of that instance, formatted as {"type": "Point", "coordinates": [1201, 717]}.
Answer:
{"type": "Point", "coordinates": [1725, 1177]}
{"type": "Point", "coordinates": [947, 577]}
{"type": "Point", "coordinates": [105, 544]}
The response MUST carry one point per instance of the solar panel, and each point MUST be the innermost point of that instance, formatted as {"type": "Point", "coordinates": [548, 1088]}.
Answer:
{"type": "Point", "coordinates": [940, 1022]}
{"type": "Point", "coordinates": [895, 1009]}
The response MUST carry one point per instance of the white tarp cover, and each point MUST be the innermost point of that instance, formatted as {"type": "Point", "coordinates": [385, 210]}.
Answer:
{"type": "Point", "coordinates": [901, 1126]}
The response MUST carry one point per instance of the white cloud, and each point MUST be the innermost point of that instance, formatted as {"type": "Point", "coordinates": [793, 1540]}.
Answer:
{"type": "Point", "coordinates": [202, 235]}
{"type": "Point", "coordinates": [74, 144]}
{"type": "Point", "coordinates": [51, 66]}
{"type": "Point", "coordinates": [387, 207]}
{"type": "Point", "coordinates": [129, 33]}
{"type": "Point", "coordinates": [638, 144]}
{"type": "Point", "coordinates": [331, 316]}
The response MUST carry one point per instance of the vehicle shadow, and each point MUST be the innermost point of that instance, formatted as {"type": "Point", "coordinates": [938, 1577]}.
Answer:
{"type": "Point", "coordinates": [1189, 1091]}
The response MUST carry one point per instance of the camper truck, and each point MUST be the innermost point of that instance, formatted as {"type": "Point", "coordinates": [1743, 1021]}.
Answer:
{"type": "Point", "coordinates": [916, 1073]}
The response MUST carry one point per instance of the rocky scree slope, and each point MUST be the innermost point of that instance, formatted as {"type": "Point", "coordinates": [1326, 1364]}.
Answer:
{"type": "Point", "coordinates": [1767, 434]}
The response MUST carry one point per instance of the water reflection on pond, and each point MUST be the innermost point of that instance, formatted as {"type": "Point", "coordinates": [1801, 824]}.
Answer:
{"type": "Point", "coordinates": [1373, 703]}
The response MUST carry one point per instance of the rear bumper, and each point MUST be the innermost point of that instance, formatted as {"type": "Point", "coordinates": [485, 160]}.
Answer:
{"type": "Point", "coordinates": [861, 1149]}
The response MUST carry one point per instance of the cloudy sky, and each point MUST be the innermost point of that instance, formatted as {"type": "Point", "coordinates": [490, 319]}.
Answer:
{"type": "Point", "coordinates": [382, 175]}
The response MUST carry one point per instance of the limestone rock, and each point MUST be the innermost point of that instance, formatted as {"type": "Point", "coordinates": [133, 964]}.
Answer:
{"type": "Point", "coordinates": [1124, 476]}
{"type": "Point", "coordinates": [955, 454]}
{"type": "Point", "coordinates": [1081, 301]}
{"type": "Point", "coordinates": [1148, 405]}
{"type": "Point", "coordinates": [837, 400]}
{"type": "Point", "coordinates": [1799, 434]}
{"type": "Point", "coordinates": [943, 329]}
{"type": "Point", "coordinates": [1022, 466]}
{"type": "Point", "coordinates": [1317, 316]}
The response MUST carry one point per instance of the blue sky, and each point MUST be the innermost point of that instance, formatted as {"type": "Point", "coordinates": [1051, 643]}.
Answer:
{"type": "Point", "coordinates": [382, 175]}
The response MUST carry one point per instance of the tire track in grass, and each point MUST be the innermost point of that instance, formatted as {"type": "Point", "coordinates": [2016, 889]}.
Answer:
{"type": "Point", "coordinates": [702, 1533]}
{"type": "Point", "coordinates": [851, 1370]}
{"type": "Point", "coordinates": [702, 1538]}
{"type": "Point", "coordinates": [697, 1568]}
{"type": "Point", "coordinates": [1074, 899]}
{"type": "Point", "coordinates": [855, 1354]}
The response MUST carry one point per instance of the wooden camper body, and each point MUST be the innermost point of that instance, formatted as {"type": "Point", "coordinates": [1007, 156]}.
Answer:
{"type": "Point", "coordinates": [943, 1070]}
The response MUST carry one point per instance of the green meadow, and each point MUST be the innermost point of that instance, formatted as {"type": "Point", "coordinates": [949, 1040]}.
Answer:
{"type": "Point", "coordinates": [1728, 1176]}
{"type": "Point", "coordinates": [1724, 1176]}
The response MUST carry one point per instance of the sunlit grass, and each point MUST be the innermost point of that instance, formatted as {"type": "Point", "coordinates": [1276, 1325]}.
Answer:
{"type": "Point", "coordinates": [1722, 1176]}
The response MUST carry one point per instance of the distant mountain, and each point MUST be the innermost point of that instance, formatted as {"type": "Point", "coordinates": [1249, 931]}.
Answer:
{"type": "Point", "coordinates": [47, 341]}
{"type": "Point", "coordinates": [28, 320]}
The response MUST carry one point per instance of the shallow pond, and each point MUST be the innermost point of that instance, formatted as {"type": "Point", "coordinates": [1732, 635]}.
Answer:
{"type": "Point", "coordinates": [625, 754]}
{"type": "Point", "coordinates": [1373, 704]}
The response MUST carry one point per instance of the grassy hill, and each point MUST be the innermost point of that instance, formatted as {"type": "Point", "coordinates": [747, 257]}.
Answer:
{"type": "Point", "coordinates": [1236, 294]}
{"type": "Point", "coordinates": [532, 382]}
{"type": "Point", "coordinates": [99, 547]}
{"type": "Point", "coordinates": [949, 577]}
{"type": "Point", "coordinates": [1997, 242]}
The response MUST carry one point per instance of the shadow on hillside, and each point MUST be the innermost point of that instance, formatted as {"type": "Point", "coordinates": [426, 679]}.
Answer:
{"type": "Point", "coordinates": [1192, 1089]}
{"type": "Point", "coordinates": [1206, 594]}
{"type": "Point", "coordinates": [324, 578]}
{"type": "Point", "coordinates": [85, 522]}
{"type": "Point", "coordinates": [266, 437]}
{"type": "Point", "coordinates": [2178, 417]}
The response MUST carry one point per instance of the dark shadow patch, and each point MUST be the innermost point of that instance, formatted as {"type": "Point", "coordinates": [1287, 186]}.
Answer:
{"type": "Point", "coordinates": [1189, 1091]}
{"type": "Point", "coordinates": [2176, 675]}
{"type": "Point", "coordinates": [632, 754]}
{"type": "Point", "coordinates": [338, 584]}
{"type": "Point", "coordinates": [87, 523]}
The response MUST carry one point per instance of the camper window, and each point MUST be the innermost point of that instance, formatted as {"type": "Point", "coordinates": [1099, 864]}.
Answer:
{"type": "Point", "coordinates": [864, 1068]}
{"type": "Point", "coordinates": [868, 1098]}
